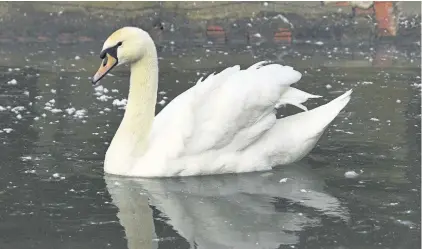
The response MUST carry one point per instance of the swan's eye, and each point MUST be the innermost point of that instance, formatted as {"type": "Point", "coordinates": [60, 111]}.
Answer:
{"type": "Point", "coordinates": [119, 43]}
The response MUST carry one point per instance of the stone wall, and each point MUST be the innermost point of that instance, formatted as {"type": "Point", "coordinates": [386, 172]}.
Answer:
{"type": "Point", "coordinates": [75, 22]}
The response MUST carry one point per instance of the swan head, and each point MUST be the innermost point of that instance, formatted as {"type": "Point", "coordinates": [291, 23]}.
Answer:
{"type": "Point", "coordinates": [125, 45]}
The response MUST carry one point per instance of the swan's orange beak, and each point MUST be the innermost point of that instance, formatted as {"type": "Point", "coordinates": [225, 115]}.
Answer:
{"type": "Point", "coordinates": [109, 62]}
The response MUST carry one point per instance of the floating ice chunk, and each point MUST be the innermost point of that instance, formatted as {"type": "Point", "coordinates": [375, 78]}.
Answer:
{"type": "Point", "coordinates": [70, 110]}
{"type": "Point", "coordinates": [122, 102]}
{"type": "Point", "coordinates": [283, 180]}
{"type": "Point", "coordinates": [12, 82]}
{"type": "Point", "coordinates": [104, 98]}
{"type": "Point", "coordinates": [55, 110]}
{"type": "Point", "coordinates": [80, 113]}
{"type": "Point", "coordinates": [7, 130]}
{"type": "Point", "coordinates": [351, 174]}
{"type": "Point", "coordinates": [99, 88]}
{"type": "Point", "coordinates": [17, 109]}
{"type": "Point", "coordinates": [26, 158]}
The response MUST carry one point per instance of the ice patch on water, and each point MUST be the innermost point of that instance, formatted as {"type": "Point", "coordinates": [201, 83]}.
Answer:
{"type": "Point", "coordinates": [12, 82]}
{"type": "Point", "coordinates": [70, 110]}
{"type": "Point", "coordinates": [26, 158]}
{"type": "Point", "coordinates": [118, 102]}
{"type": "Point", "coordinates": [55, 110]}
{"type": "Point", "coordinates": [162, 102]}
{"type": "Point", "coordinates": [351, 174]}
{"type": "Point", "coordinates": [7, 130]}
{"type": "Point", "coordinates": [283, 180]}
{"type": "Point", "coordinates": [80, 113]}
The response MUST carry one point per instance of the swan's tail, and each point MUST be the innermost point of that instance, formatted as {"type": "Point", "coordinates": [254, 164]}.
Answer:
{"type": "Point", "coordinates": [313, 122]}
{"type": "Point", "coordinates": [293, 137]}
{"type": "Point", "coordinates": [332, 108]}
{"type": "Point", "coordinates": [323, 115]}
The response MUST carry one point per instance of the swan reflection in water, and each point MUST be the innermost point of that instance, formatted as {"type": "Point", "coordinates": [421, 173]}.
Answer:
{"type": "Point", "coordinates": [253, 210]}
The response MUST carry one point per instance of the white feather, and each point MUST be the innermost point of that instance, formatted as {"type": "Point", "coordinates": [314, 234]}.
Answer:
{"type": "Point", "coordinates": [295, 97]}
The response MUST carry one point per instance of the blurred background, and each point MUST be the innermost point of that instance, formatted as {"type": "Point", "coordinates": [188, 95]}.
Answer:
{"type": "Point", "coordinates": [55, 127]}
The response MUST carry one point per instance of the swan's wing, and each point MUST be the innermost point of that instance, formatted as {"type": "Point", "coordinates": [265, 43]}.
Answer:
{"type": "Point", "coordinates": [235, 111]}
{"type": "Point", "coordinates": [226, 110]}
{"type": "Point", "coordinates": [174, 124]}
{"type": "Point", "coordinates": [182, 104]}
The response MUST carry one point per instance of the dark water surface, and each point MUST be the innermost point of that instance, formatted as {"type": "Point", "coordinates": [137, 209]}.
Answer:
{"type": "Point", "coordinates": [55, 127]}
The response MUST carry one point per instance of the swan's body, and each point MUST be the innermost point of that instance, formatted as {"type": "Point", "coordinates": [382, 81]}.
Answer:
{"type": "Point", "coordinates": [224, 124]}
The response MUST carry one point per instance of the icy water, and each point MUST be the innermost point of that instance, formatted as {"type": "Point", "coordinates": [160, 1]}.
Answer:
{"type": "Point", "coordinates": [359, 188]}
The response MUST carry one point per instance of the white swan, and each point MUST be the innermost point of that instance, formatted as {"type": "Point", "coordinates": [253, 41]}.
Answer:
{"type": "Point", "coordinates": [224, 124]}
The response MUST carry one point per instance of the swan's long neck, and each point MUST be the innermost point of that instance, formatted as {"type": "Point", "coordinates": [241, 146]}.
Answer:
{"type": "Point", "coordinates": [140, 109]}
{"type": "Point", "coordinates": [131, 138]}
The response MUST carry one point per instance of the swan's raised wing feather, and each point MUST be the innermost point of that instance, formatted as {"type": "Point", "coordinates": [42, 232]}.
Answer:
{"type": "Point", "coordinates": [295, 97]}
{"type": "Point", "coordinates": [225, 106]}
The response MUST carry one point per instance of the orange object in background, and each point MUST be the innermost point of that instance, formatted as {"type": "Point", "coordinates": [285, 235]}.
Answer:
{"type": "Point", "coordinates": [283, 35]}
{"type": "Point", "coordinates": [215, 30]}
{"type": "Point", "coordinates": [386, 19]}
{"type": "Point", "coordinates": [360, 11]}
{"type": "Point", "coordinates": [216, 33]}
{"type": "Point", "coordinates": [342, 3]}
